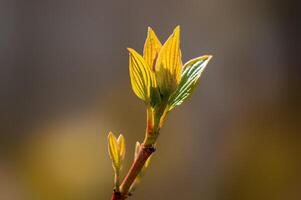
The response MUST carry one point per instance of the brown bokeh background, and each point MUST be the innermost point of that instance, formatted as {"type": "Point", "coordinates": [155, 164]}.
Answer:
{"type": "Point", "coordinates": [64, 84]}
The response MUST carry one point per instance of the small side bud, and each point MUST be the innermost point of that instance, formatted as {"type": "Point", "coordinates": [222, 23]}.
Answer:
{"type": "Point", "coordinates": [137, 149]}
{"type": "Point", "coordinates": [116, 148]}
{"type": "Point", "coordinates": [142, 172]}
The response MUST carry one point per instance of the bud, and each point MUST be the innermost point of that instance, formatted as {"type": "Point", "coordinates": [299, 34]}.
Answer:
{"type": "Point", "coordinates": [116, 149]}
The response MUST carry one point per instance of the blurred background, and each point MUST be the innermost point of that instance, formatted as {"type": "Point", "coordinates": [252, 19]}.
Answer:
{"type": "Point", "coordinates": [64, 85]}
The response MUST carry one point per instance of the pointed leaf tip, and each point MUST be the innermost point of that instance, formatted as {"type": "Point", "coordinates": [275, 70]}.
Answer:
{"type": "Point", "coordinates": [152, 47]}
{"type": "Point", "coordinates": [177, 29]}
{"type": "Point", "coordinates": [149, 29]}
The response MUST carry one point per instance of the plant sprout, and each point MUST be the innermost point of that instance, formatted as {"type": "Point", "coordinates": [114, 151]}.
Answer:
{"type": "Point", "coordinates": [160, 80]}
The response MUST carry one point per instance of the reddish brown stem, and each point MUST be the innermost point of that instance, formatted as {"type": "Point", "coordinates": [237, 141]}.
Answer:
{"type": "Point", "coordinates": [136, 167]}
{"type": "Point", "coordinates": [118, 196]}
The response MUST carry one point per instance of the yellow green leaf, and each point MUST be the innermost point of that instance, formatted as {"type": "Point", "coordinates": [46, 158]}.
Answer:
{"type": "Point", "coordinates": [169, 65]}
{"type": "Point", "coordinates": [142, 78]}
{"type": "Point", "coordinates": [152, 47]}
{"type": "Point", "coordinates": [113, 151]}
{"type": "Point", "coordinates": [121, 146]}
{"type": "Point", "coordinates": [190, 77]}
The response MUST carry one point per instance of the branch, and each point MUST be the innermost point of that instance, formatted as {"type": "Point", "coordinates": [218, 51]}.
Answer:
{"type": "Point", "coordinates": [144, 153]}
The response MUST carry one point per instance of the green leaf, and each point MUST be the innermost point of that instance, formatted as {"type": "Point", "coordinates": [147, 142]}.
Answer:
{"type": "Point", "coordinates": [190, 76]}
